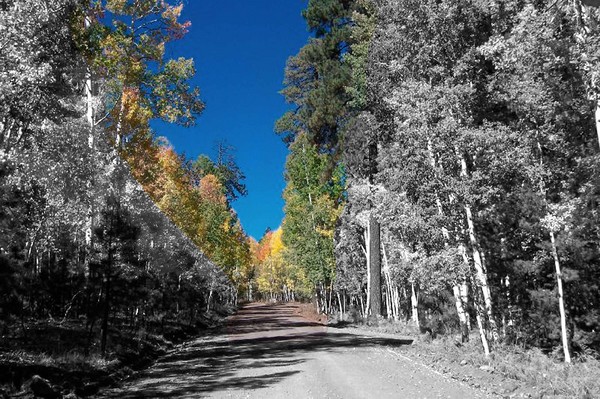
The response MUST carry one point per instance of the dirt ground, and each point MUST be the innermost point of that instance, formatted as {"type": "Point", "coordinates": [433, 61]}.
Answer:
{"type": "Point", "coordinates": [287, 351]}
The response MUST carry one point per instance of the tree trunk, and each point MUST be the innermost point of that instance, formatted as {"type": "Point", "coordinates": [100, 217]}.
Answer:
{"type": "Point", "coordinates": [362, 305]}
{"type": "Point", "coordinates": [210, 295]}
{"type": "Point", "coordinates": [119, 127]}
{"type": "Point", "coordinates": [561, 302]}
{"type": "Point", "coordinates": [367, 252]}
{"type": "Point", "coordinates": [106, 313]}
{"type": "Point", "coordinates": [510, 322]}
{"type": "Point", "coordinates": [374, 267]}
{"type": "Point", "coordinates": [414, 302]}
{"type": "Point", "coordinates": [389, 297]}
{"type": "Point", "coordinates": [317, 298]}
{"type": "Point", "coordinates": [460, 305]}
{"type": "Point", "coordinates": [90, 116]}
{"type": "Point", "coordinates": [462, 314]}
{"type": "Point", "coordinates": [478, 257]}
{"type": "Point", "coordinates": [482, 333]}
{"type": "Point", "coordinates": [597, 118]}
{"type": "Point", "coordinates": [480, 321]}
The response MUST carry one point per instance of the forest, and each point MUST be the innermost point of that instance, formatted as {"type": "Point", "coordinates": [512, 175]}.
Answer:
{"type": "Point", "coordinates": [109, 239]}
{"type": "Point", "coordinates": [443, 172]}
{"type": "Point", "coordinates": [443, 169]}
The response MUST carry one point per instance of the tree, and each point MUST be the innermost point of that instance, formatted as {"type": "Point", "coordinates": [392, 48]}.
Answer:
{"type": "Point", "coordinates": [117, 237]}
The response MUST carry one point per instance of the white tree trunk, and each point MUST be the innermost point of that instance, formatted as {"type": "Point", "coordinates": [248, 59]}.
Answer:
{"type": "Point", "coordinates": [461, 300]}
{"type": "Point", "coordinates": [597, 118]}
{"type": "Point", "coordinates": [464, 295]}
{"type": "Point", "coordinates": [367, 251]}
{"type": "Point", "coordinates": [119, 127]}
{"type": "Point", "coordinates": [392, 290]}
{"type": "Point", "coordinates": [483, 336]}
{"type": "Point", "coordinates": [90, 118]}
{"type": "Point", "coordinates": [414, 302]}
{"type": "Point", "coordinates": [478, 258]}
{"type": "Point", "coordinates": [561, 302]}
{"type": "Point", "coordinates": [210, 295]}
{"type": "Point", "coordinates": [462, 314]}
{"type": "Point", "coordinates": [362, 305]}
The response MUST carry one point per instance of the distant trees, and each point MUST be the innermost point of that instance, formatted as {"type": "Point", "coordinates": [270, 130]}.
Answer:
{"type": "Point", "coordinates": [276, 278]}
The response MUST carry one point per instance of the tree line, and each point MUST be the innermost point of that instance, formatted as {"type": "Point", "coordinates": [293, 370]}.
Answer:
{"type": "Point", "coordinates": [443, 166]}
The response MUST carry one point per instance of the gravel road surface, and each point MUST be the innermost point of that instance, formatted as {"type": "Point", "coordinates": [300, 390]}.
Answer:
{"type": "Point", "coordinates": [271, 351]}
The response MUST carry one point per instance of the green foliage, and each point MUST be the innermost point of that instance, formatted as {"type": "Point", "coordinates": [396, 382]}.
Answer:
{"type": "Point", "coordinates": [124, 42]}
{"type": "Point", "coordinates": [317, 77]}
{"type": "Point", "coordinates": [312, 207]}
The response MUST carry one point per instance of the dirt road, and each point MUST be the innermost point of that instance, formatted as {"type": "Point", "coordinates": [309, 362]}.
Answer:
{"type": "Point", "coordinates": [270, 351]}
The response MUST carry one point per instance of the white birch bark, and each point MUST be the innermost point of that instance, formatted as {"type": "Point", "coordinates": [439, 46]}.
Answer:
{"type": "Point", "coordinates": [90, 116]}
{"type": "Point", "coordinates": [561, 302]}
{"type": "Point", "coordinates": [391, 287]}
{"type": "Point", "coordinates": [414, 302]}
{"type": "Point", "coordinates": [367, 251]}
{"type": "Point", "coordinates": [558, 271]}
{"type": "Point", "coordinates": [597, 117]}
{"type": "Point", "coordinates": [464, 295]}
{"type": "Point", "coordinates": [462, 315]}
{"type": "Point", "coordinates": [119, 127]}
{"type": "Point", "coordinates": [482, 335]}
{"type": "Point", "coordinates": [480, 269]}
{"type": "Point", "coordinates": [460, 299]}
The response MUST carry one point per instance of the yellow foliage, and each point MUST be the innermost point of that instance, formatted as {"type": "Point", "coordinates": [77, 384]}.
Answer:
{"type": "Point", "coordinates": [277, 245]}
{"type": "Point", "coordinates": [211, 190]}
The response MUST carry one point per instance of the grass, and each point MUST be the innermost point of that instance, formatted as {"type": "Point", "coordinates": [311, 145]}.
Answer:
{"type": "Point", "coordinates": [510, 371]}
{"type": "Point", "coordinates": [581, 379]}
{"type": "Point", "coordinates": [68, 360]}
{"type": "Point", "coordinates": [530, 371]}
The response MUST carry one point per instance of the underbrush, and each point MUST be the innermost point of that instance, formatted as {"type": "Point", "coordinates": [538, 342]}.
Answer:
{"type": "Point", "coordinates": [63, 353]}
{"type": "Point", "coordinates": [69, 360]}
{"type": "Point", "coordinates": [581, 379]}
{"type": "Point", "coordinates": [510, 371]}
{"type": "Point", "coordinates": [513, 370]}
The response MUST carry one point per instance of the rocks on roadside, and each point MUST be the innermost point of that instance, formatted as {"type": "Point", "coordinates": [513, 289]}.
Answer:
{"type": "Point", "coordinates": [41, 387]}
{"type": "Point", "coordinates": [509, 387]}
{"type": "Point", "coordinates": [88, 389]}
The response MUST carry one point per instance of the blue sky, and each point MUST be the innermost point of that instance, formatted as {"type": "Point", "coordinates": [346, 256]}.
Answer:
{"type": "Point", "coordinates": [240, 49]}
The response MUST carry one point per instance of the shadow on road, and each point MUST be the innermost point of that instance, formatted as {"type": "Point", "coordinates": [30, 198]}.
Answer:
{"type": "Point", "coordinates": [258, 337]}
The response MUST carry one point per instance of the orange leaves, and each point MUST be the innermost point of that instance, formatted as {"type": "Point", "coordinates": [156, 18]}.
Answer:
{"type": "Point", "coordinates": [196, 204]}
{"type": "Point", "coordinates": [212, 190]}
{"type": "Point", "coordinates": [171, 14]}
{"type": "Point", "coordinates": [263, 249]}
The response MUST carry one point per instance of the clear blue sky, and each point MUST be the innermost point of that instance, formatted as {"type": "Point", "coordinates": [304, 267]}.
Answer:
{"type": "Point", "coordinates": [240, 48]}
